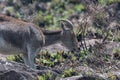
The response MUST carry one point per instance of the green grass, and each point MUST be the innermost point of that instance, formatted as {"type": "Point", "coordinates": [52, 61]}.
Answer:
{"type": "Point", "coordinates": [55, 60]}
{"type": "Point", "coordinates": [69, 72]}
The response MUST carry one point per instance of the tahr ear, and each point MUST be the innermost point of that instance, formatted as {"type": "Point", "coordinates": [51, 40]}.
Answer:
{"type": "Point", "coordinates": [66, 25]}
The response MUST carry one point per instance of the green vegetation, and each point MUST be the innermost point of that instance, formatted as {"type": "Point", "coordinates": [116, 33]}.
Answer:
{"type": "Point", "coordinates": [44, 76]}
{"type": "Point", "coordinates": [58, 10]}
{"type": "Point", "coordinates": [48, 16]}
{"type": "Point", "coordinates": [107, 2]}
{"type": "Point", "coordinates": [17, 58]}
{"type": "Point", "coordinates": [69, 72]}
{"type": "Point", "coordinates": [53, 59]}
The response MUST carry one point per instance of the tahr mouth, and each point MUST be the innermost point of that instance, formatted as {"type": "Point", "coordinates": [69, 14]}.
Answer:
{"type": "Point", "coordinates": [75, 50]}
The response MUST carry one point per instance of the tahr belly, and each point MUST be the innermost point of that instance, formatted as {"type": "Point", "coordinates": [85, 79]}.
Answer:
{"type": "Point", "coordinates": [7, 48]}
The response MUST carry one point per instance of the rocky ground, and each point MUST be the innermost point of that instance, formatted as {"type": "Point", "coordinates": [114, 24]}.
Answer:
{"type": "Point", "coordinates": [95, 67]}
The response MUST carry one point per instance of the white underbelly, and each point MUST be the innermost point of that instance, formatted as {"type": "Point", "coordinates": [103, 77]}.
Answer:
{"type": "Point", "coordinates": [6, 48]}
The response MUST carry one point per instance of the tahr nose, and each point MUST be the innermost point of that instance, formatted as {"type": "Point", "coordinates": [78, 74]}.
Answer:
{"type": "Point", "coordinates": [79, 48]}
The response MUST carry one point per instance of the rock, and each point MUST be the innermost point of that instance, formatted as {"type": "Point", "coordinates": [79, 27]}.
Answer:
{"type": "Point", "coordinates": [10, 70]}
{"type": "Point", "coordinates": [14, 71]}
{"type": "Point", "coordinates": [55, 48]}
{"type": "Point", "coordinates": [93, 77]}
{"type": "Point", "coordinates": [13, 75]}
